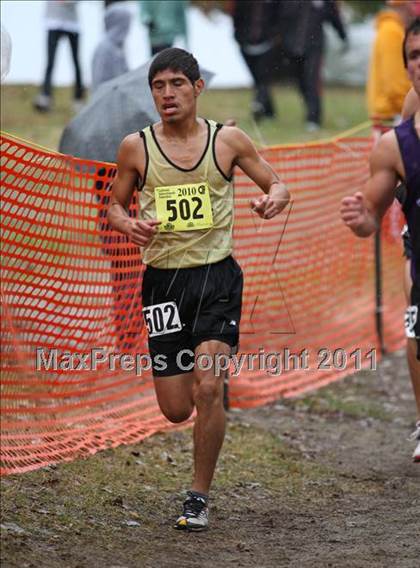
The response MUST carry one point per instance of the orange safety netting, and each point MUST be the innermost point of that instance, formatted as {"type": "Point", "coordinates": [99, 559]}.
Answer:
{"type": "Point", "coordinates": [71, 284]}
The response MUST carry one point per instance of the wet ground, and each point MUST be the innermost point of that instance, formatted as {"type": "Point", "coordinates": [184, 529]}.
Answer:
{"type": "Point", "coordinates": [324, 480]}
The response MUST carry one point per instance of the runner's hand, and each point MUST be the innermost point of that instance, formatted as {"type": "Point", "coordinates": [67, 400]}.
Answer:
{"type": "Point", "coordinates": [141, 232]}
{"type": "Point", "coordinates": [353, 210]}
{"type": "Point", "coordinates": [268, 206]}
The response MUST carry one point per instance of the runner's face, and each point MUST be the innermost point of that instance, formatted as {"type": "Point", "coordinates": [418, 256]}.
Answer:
{"type": "Point", "coordinates": [412, 50]}
{"type": "Point", "coordinates": [174, 95]}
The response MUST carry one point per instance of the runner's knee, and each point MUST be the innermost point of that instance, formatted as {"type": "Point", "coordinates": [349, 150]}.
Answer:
{"type": "Point", "coordinates": [176, 415]}
{"type": "Point", "coordinates": [208, 391]}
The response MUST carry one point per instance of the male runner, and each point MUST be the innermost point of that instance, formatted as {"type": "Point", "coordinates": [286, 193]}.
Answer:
{"type": "Point", "coordinates": [410, 107]}
{"type": "Point", "coordinates": [397, 157]}
{"type": "Point", "coordinates": [192, 286]}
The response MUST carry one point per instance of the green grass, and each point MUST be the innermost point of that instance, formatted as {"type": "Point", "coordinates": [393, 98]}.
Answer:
{"type": "Point", "coordinates": [343, 109]}
{"type": "Point", "coordinates": [329, 403]}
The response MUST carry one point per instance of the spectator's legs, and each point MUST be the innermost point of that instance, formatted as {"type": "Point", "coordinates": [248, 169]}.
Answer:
{"type": "Point", "coordinates": [313, 64]}
{"type": "Point", "coordinates": [262, 64]}
{"type": "Point", "coordinates": [52, 42]}
{"type": "Point", "coordinates": [74, 44]}
{"type": "Point", "coordinates": [308, 69]}
{"type": "Point", "coordinates": [259, 67]}
{"type": "Point", "coordinates": [298, 66]}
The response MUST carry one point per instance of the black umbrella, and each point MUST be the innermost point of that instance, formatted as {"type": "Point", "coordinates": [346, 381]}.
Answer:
{"type": "Point", "coordinates": [117, 108]}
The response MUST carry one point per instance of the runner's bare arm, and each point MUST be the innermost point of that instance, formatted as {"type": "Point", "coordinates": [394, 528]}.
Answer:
{"type": "Point", "coordinates": [248, 159]}
{"type": "Point", "coordinates": [130, 157]}
{"type": "Point", "coordinates": [362, 212]}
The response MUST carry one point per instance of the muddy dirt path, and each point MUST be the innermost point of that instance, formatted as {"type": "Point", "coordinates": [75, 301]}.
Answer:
{"type": "Point", "coordinates": [325, 480]}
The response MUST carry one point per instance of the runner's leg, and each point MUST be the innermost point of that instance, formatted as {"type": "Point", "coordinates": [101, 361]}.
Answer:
{"type": "Point", "coordinates": [209, 427]}
{"type": "Point", "coordinates": [414, 368]}
{"type": "Point", "coordinates": [175, 396]}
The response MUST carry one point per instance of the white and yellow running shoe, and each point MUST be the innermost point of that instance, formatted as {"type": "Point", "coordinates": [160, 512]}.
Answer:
{"type": "Point", "coordinates": [195, 516]}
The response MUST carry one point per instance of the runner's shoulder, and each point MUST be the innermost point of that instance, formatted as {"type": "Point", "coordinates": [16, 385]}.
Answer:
{"type": "Point", "coordinates": [131, 148]}
{"type": "Point", "coordinates": [386, 151]}
{"type": "Point", "coordinates": [234, 137]}
{"type": "Point", "coordinates": [131, 142]}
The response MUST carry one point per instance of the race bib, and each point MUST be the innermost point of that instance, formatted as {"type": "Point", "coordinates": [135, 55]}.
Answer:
{"type": "Point", "coordinates": [411, 316]}
{"type": "Point", "coordinates": [183, 207]}
{"type": "Point", "coordinates": [161, 319]}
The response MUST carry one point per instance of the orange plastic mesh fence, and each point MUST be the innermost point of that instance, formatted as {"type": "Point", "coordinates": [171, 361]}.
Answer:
{"type": "Point", "coordinates": [71, 285]}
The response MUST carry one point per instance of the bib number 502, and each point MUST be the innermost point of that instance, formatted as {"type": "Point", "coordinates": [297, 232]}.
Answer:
{"type": "Point", "coordinates": [184, 209]}
{"type": "Point", "coordinates": [161, 319]}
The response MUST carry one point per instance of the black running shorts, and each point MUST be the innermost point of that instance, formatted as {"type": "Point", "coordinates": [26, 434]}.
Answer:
{"type": "Point", "coordinates": [408, 246]}
{"type": "Point", "coordinates": [184, 307]}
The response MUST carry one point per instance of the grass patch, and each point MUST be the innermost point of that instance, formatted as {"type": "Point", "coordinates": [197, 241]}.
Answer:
{"type": "Point", "coordinates": [343, 109]}
{"type": "Point", "coordinates": [137, 482]}
{"type": "Point", "coordinates": [337, 400]}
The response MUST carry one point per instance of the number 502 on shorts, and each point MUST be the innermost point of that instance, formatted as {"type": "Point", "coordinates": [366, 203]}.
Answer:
{"type": "Point", "coordinates": [161, 319]}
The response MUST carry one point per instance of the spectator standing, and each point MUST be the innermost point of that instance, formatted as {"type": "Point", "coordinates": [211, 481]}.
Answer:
{"type": "Point", "coordinates": [388, 82]}
{"type": "Point", "coordinates": [301, 24]}
{"type": "Point", "coordinates": [61, 21]}
{"type": "Point", "coordinates": [109, 58]}
{"type": "Point", "coordinates": [256, 31]}
{"type": "Point", "coordinates": [5, 52]}
{"type": "Point", "coordinates": [165, 21]}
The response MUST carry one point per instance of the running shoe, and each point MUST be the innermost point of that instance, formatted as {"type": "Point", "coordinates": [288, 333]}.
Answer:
{"type": "Point", "coordinates": [42, 103]}
{"type": "Point", "coordinates": [195, 516]}
{"type": "Point", "coordinates": [311, 126]}
{"type": "Point", "coordinates": [416, 436]}
{"type": "Point", "coordinates": [77, 105]}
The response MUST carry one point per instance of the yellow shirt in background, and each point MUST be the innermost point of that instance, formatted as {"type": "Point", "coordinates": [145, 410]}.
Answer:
{"type": "Point", "coordinates": [388, 82]}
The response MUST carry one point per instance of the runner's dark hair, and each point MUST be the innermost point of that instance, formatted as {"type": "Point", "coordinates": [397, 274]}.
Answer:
{"type": "Point", "coordinates": [413, 28]}
{"type": "Point", "coordinates": [175, 59]}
